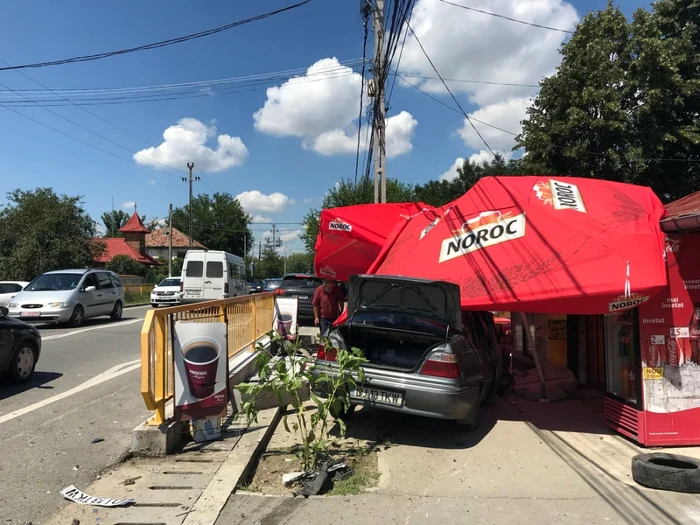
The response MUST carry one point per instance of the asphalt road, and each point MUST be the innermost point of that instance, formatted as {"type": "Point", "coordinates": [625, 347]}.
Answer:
{"type": "Point", "coordinates": [86, 386]}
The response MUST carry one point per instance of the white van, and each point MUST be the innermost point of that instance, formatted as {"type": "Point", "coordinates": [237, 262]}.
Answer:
{"type": "Point", "coordinates": [209, 275]}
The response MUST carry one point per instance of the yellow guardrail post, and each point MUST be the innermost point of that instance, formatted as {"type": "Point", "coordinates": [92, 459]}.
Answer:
{"type": "Point", "coordinates": [146, 361]}
{"type": "Point", "coordinates": [160, 389]}
{"type": "Point", "coordinates": [253, 322]}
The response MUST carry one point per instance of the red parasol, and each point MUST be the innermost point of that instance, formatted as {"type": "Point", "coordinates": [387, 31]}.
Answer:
{"type": "Point", "coordinates": [538, 244]}
{"type": "Point", "coordinates": [351, 237]}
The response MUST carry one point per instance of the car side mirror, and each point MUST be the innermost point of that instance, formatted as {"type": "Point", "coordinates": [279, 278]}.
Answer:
{"type": "Point", "coordinates": [90, 289]}
{"type": "Point", "coordinates": [3, 312]}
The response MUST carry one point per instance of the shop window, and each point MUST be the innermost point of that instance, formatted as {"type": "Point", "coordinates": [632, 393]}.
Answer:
{"type": "Point", "coordinates": [621, 349]}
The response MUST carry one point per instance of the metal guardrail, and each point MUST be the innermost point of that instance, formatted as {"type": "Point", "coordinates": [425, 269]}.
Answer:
{"type": "Point", "coordinates": [248, 318]}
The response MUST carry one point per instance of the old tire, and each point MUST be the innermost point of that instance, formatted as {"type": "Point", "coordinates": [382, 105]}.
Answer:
{"type": "Point", "coordinates": [117, 312]}
{"type": "Point", "coordinates": [22, 362]}
{"type": "Point", "coordinates": [77, 318]}
{"type": "Point", "coordinates": [667, 472]}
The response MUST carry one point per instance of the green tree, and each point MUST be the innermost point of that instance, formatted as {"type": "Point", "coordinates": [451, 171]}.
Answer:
{"type": "Point", "coordinates": [113, 220]}
{"type": "Point", "coordinates": [623, 103]}
{"type": "Point", "coordinates": [218, 222]}
{"type": "Point", "coordinates": [345, 193]}
{"type": "Point", "coordinates": [299, 263]}
{"type": "Point", "coordinates": [440, 192]}
{"type": "Point", "coordinates": [42, 231]}
{"type": "Point", "coordinates": [270, 264]}
{"type": "Point", "coordinates": [125, 265]}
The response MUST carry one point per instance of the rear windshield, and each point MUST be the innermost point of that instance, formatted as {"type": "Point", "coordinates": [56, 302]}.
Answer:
{"type": "Point", "coordinates": [215, 269]}
{"type": "Point", "coordinates": [300, 283]}
{"type": "Point", "coordinates": [194, 269]}
{"type": "Point", "coordinates": [399, 321]}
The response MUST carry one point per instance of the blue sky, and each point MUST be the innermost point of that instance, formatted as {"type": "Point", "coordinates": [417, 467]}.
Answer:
{"type": "Point", "coordinates": [301, 142]}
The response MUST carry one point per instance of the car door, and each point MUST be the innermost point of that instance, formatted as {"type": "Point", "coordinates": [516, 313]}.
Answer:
{"type": "Point", "coordinates": [109, 292]}
{"type": "Point", "coordinates": [214, 279]}
{"type": "Point", "coordinates": [92, 300]}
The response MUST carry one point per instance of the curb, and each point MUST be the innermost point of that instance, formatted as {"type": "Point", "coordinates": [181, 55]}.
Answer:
{"type": "Point", "coordinates": [136, 305]}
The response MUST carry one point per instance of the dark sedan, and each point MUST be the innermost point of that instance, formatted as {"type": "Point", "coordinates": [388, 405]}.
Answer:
{"type": "Point", "coordinates": [302, 286]}
{"type": "Point", "coordinates": [255, 286]}
{"type": "Point", "coordinates": [20, 346]}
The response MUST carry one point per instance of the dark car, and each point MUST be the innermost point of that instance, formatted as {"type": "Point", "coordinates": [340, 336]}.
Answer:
{"type": "Point", "coordinates": [426, 357]}
{"type": "Point", "coordinates": [255, 286]}
{"type": "Point", "coordinates": [272, 284]}
{"type": "Point", "coordinates": [20, 346]}
{"type": "Point", "coordinates": [302, 286]}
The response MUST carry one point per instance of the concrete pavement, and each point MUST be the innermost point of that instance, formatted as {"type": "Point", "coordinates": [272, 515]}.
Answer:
{"type": "Point", "coordinates": [86, 386]}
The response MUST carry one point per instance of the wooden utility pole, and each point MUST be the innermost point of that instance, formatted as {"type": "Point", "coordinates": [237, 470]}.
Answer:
{"type": "Point", "coordinates": [170, 241]}
{"type": "Point", "coordinates": [379, 127]}
{"type": "Point", "coordinates": [190, 180]}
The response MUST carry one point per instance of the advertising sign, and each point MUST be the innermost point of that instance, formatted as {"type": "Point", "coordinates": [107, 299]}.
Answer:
{"type": "Point", "coordinates": [201, 370]}
{"type": "Point", "coordinates": [286, 311]}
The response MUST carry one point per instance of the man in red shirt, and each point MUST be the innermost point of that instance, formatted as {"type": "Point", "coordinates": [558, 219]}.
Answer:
{"type": "Point", "coordinates": [328, 303]}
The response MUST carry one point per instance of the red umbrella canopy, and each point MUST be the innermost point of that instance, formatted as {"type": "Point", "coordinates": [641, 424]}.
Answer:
{"type": "Point", "coordinates": [538, 244]}
{"type": "Point", "coordinates": [351, 237]}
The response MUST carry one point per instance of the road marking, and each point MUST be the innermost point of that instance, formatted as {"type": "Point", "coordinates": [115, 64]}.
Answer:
{"type": "Point", "coordinates": [112, 373]}
{"type": "Point", "coordinates": [82, 330]}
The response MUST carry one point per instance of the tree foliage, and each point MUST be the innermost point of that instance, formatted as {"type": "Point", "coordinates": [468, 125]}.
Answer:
{"type": "Point", "coordinates": [440, 192]}
{"type": "Point", "coordinates": [113, 220]}
{"type": "Point", "coordinates": [299, 263]}
{"type": "Point", "coordinates": [42, 231]}
{"type": "Point", "coordinates": [125, 265]}
{"type": "Point", "coordinates": [219, 222]}
{"type": "Point", "coordinates": [345, 193]}
{"type": "Point", "coordinates": [270, 264]}
{"type": "Point", "coordinates": [623, 104]}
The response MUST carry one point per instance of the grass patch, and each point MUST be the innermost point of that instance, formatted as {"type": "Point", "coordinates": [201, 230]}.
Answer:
{"type": "Point", "coordinates": [136, 297]}
{"type": "Point", "coordinates": [363, 479]}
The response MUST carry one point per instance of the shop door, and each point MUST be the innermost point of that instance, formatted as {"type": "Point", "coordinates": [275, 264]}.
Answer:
{"type": "Point", "coordinates": [622, 357]}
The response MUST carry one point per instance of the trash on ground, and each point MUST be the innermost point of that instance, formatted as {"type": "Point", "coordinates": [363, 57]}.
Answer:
{"type": "Point", "coordinates": [75, 522]}
{"type": "Point", "coordinates": [130, 481]}
{"type": "Point", "coordinates": [313, 485]}
{"type": "Point", "coordinates": [76, 467]}
{"type": "Point", "coordinates": [97, 440]}
{"type": "Point", "coordinates": [77, 496]}
{"type": "Point", "coordinates": [343, 473]}
{"type": "Point", "coordinates": [290, 478]}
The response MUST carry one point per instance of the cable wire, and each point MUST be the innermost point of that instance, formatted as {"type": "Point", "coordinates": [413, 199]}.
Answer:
{"type": "Point", "coordinates": [365, 10]}
{"type": "Point", "coordinates": [508, 18]}
{"type": "Point", "coordinates": [155, 45]}
{"type": "Point", "coordinates": [449, 91]}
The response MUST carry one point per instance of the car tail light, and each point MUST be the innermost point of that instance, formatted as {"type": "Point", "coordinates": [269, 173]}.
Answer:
{"type": "Point", "coordinates": [279, 292]}
{"type": "Point", "coordinates": [441, 364]}
{"type": "Point", "coordinates": [182, 286]}
{"type": "Point", "coordinates": [325, 355]}
{"type": "Point", "coordinates": [225, 287]}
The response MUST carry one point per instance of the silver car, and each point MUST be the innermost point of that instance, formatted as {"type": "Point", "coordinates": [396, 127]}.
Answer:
{"type": "Point", "coordinates": [426, 357]}
{"type": "Point", "coordinates": [69, 296]}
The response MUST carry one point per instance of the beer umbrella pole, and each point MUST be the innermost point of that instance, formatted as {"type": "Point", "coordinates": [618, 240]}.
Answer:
{"type": "Point", "coordinates": [536, 356]}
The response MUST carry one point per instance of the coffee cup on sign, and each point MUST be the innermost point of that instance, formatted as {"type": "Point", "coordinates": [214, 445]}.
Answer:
{"type": "Point", "coordinates": [284, 324]}
{"type": "Point", "coordinates": [201, 359]}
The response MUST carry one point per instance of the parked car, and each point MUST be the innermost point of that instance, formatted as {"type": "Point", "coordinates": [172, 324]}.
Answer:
{"type": "Point", "coordinates": [8, 289]}
{"type": "Point", "coordinates": [209, 275]}
{"type": "Point", "coordinates": [272, 284]}
{"type": "Point", "coordinates": [69, 296]}
{"type": "Point", "coordinates": [302, 286]}
{"type": "Point", "coordinates": [167, 292]}
{"type": "Point", "coordinates": [256, 286]}
{"type": "Point", "coordinates": [20, 347]}
{"type": "Point", "coordinates": [426, 357]}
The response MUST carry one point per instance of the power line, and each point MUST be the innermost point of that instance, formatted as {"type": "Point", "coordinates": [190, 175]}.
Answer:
{"type": "Point", "coordinates": [155, 45]}
{"type": "Point", "coordinates": [365, 10]}
{"type": "Point", "coordinates": [508, 18]}
{"type": "Point", "coordinates": [469, 81]}
{"type": "Point", "coordinates": [448, 90]}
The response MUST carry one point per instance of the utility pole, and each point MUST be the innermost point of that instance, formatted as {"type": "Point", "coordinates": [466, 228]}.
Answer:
{"type": "Point", "coordinates": [112, 221]}
{"type": "Point", "coordinates": [379, 94]}
{"type": "Point", "coordinates": [274, 226]}
{"type": "Point", "coordinates": [170, 241]}
{"type": "Point", "coordinates": [190, 180]}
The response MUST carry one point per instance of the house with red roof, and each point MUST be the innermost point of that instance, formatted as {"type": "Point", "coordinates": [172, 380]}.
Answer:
{"type": "Point", "coordinates": [157, 243]}
{"type": "Point", "coordinates": [133, 244]}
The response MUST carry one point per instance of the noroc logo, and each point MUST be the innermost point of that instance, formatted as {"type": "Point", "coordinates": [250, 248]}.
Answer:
{"type": "Point", "coordinates": [488, 229]}
{"type": "Point", "coordinates": [626, 302]}
{"type": "Point", "coordinates": [338, 225]}
{"type": "Point", "coordinates": [560, 195]}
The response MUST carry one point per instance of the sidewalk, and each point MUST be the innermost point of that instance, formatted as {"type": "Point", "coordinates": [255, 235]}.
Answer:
{"type": "Point", "coordinates": [529, 463]}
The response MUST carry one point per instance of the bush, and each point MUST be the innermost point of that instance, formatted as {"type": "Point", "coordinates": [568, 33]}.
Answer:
{"type": "Point", "coordinates": [125, 265]}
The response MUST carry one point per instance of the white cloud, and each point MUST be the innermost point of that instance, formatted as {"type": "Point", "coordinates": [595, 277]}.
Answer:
{"type": "Point", "coordinates": [128, 205]}
{"type": "Point", "coordinates": [481, 158]}
{"type": "Point", "coordinates": [291, 236]}
{"type": "Point", "coordinates": [506, 115]}
{"type": "Point", "coordinates": [323, 110]}
{"type": "Point", "coordinates": [260, 218]}
{"type": "Point", "coordinates": [186, 141]}
{"type": "Point", "coordinates": [466, 45]}
{"type": "Point", "coordinates": [253, 201]}
{"type": "Point", "coordinates": [451, 174]}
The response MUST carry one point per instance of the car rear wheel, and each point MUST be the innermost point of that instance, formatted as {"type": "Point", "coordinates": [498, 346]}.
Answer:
{"type": "Point", "coordinates": [78, 317]}
{"type": "Point", "coordinates": [22, 363]}
{"type": "Point", "coordinates": [116, 314]}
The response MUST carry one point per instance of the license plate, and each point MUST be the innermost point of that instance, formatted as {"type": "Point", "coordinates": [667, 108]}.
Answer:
{"type": "Point", "coordinates": [376, 395]}
{"type": "Point", "coordinates": [30, 314]}
{"type": "Point", "coordinates": [301, 296]}
{"type": "Point", "coordinates": [193, 292]}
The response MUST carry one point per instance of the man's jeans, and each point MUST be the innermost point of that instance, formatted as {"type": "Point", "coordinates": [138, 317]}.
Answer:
{"type": "Point", "coordinates": [325, 326]}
